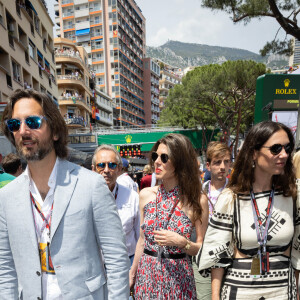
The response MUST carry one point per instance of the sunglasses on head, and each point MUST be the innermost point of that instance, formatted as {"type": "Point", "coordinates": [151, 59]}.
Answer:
{"type": "Point", "coordinates": [111, 165]}
{"type": "Point", "coordinates": [32, 122]}
{"type": "Point", "coordinates": [277, 148]}
{"type": "Point", "coordinates": [163, 157]}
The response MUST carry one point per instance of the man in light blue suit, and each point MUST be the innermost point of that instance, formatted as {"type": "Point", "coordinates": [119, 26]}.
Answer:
{"type": "Point", "coordinates": [55, 217]}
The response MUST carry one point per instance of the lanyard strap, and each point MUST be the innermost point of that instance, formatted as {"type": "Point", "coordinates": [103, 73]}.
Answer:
{"type": "Point", "coordinates": [261, 231]}
{"type": "Point", "coordinates": [46, 220]}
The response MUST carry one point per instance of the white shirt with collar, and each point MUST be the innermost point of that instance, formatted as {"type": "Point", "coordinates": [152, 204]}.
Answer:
{"type": "Point", "coordinates": [50, 287]}
{"type": "Point", "coordinates": [127, 181]}
{"type": "Point", "coordinates": [127, 202]}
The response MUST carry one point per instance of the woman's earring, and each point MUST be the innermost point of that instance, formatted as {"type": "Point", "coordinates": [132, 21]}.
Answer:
{"type": "Point", "coordinates": [253, 164]}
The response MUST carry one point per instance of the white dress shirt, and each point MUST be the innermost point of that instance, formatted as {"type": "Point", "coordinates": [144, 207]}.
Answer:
{"type": "Point", "coordinates": [127, 181]}
{"type": "Point", "coordinates": [50, 287]}
{"type": "Point", "coordinates": [127, 202]}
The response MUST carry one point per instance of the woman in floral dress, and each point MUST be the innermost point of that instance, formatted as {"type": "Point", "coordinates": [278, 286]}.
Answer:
{"type": "Point", "coordinates": [162, 268]}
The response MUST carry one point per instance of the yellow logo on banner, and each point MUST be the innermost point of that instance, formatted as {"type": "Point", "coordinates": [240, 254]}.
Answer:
{"type": "Point", "coordinates": [128, 138]}
{"type": "Point", "coordinates": [286, 91]}
{"type": "Point", "coordinates": [286, 83]}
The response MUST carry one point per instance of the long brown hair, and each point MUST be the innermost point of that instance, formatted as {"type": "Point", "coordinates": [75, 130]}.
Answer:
{"type": "Point", "coordinates": [243, 172]}
{"type": "Point", "coordinates": [184, 159]}
{"type": "Point", "coordinates": [53, 117]}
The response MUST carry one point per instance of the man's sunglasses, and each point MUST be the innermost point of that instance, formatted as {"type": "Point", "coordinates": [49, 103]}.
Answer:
{"type": "Point", "coordinates": [164, 157]}
{"type": "Point", "coordinates": [111, 165]}
{"type": "Point", "coordinates": [32, 122]}
{"type": "Point", "coordinates": [277, 148]}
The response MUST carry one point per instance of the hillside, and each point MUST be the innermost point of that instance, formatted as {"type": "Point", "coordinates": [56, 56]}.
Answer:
{"type": "Point", "coordinates": [183, 55]}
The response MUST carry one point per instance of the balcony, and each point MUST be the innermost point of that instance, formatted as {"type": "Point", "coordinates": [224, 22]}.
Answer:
{"type": "Point", "coordinates": [77, 101]}
{"type": "Point", "coordinates": [104, 106]}
{"type": "Point", "coordinates": [64, 54]}
{"type": "Point", "coordinates": [75, 122]}
{"type": "Point", "coordinates": [82, 25]}
{"type": "Point", "coordinates": [82, 13]}
{"type": "Point", "coordinates": [77, 2]}
{"type": "Point", "coordinates": [72, 79]}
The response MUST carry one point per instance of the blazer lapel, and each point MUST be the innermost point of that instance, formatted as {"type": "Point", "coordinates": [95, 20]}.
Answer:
{"type": "Point", "coordinates": [24, 211]}
{"type": "Point", "coordinates": [65, 185]}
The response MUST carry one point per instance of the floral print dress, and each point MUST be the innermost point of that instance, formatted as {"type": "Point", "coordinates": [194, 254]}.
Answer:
{"type": "Point", "coordinates": [165, 278]}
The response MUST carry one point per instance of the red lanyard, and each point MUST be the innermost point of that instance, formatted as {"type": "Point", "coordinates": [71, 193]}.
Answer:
{"type": "Point", "coordinates": [47, 221]}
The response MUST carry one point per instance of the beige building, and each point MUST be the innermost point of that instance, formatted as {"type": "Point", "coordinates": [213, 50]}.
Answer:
{"type": "Point", "coordinates": [73, 78]}
{"type": "Point", "coordinates": [169, 77]}
{"type": "Point", "coordinates": [80, 103]}
{"type": "Point", "coordinates": [113, 34]}
{"type": "Point", "coordinates": [26, 49]}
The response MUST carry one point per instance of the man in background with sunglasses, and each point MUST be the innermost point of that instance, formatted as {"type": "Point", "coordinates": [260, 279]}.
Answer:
{"type": "Point", "coordinates": [107, 162]}
{"type": "Point", "coordinates": [55, 217]}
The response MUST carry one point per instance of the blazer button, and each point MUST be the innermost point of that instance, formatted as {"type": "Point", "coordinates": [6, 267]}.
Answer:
{"type": "Point", "coordinates": [38, 273]}
{"type": "Point", "coordinates": [39, 298]}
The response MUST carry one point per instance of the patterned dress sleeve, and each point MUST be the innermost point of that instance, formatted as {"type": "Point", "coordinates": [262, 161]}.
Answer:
{"type": "Point", "coordinates": [295, 255]}
{"type": "Point", "coordinates": [217, 248]}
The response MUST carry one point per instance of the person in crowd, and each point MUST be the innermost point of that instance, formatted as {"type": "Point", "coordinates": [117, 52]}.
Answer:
{"type": "Point", "coordinates": [5, 178]}
{"type": "Point", "coordinates": [107, 162]}
{"type": "Point", "coordinates": [124, 177]}
{"type": "Point", "coordinates": [162, 268]}
{"type": "Point", "coordinates": [12, 164]}
{"type": "Point", "coordinates": [296, 163]}
{"type": "Point", "coordinates": [218, 164]}
{"type": "Point", "coordinates": [56, 216]}
{"type": "Point", "coordinates": [252, 233]}
{"type": "Point", "coordinates": [147, 178]}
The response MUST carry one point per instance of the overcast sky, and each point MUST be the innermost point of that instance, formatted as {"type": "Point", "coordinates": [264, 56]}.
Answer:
{"type": "Point", "coordinates": [187, 21]}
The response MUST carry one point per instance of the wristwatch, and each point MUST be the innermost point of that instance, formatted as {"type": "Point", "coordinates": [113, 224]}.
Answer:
{"type": "Point", "coordinates": [188, 244]}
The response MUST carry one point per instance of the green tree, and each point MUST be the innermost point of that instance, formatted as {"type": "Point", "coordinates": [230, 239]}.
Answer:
{"type": "Point", "coordinates": [246, 10]}
{"type": "Point", "coordinates": [213, 96]}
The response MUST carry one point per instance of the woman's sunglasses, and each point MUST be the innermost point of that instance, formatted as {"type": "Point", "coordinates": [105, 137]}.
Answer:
{"type": "Point", "coordinates": [111, 165]}
{"type": "Point", "coordinates": [32, 122]}
{"type": "Point", "coordinates": [163, 157]}
{"type": "Point", "coordinates": [277, 148]}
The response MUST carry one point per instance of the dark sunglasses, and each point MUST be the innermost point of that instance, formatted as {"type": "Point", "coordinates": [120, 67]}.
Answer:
{"type": "Point", "coordinates": [164, 157]}
{"type": "Point", "coordinates": [32, 122]}
{"type": "Point", "coordinates": [111, 165]}
{"type": "Point", "coordinates": [277, 148]}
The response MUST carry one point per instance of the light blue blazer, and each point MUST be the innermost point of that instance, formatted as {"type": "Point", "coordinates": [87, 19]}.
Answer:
{"type": "Point", "coordinates": [84, 220]}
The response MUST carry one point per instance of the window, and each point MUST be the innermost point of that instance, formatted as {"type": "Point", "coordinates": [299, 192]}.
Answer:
{"type": "Point", "coordinates": [1, 13]}
{"type": "Point", "coordinates": [16, 71]}
{"type": "Point", "coordinates": [32, 49]}
{"type": "Point", "coordinates": [37, 23]}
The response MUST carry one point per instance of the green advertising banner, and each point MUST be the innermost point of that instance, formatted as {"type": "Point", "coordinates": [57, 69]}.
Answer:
{"type": "Point", "coordinates": [147, 139]}
{"type": "Point", "coordinates": [276, 92]}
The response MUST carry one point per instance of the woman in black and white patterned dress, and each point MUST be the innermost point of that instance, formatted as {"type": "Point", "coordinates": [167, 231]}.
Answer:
{"type": "Point", "coordinates": [252, 242]}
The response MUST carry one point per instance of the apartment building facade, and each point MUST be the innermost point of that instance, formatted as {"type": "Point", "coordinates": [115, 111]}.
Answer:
{"type": "Point", "coordinates": [295, 57]}
{"type": "Point", "coordinates": [81, 103]}
{"type": "Point", "coordinates": [26, 49]}
{"type": "Point", "coordinates": [168, 78]}
{"type": "Point", "coordinates": [151, 91]}
{"type": "Point", "coordinates": [113, 34]}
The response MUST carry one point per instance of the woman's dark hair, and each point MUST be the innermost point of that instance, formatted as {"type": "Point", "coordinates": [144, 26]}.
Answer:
{"type": "Point", "coordinates": [184, 159]}
{"type": "Point", "coordinates": [53, 117]}
{"type": "Point", "coordinates": [242, 177]}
